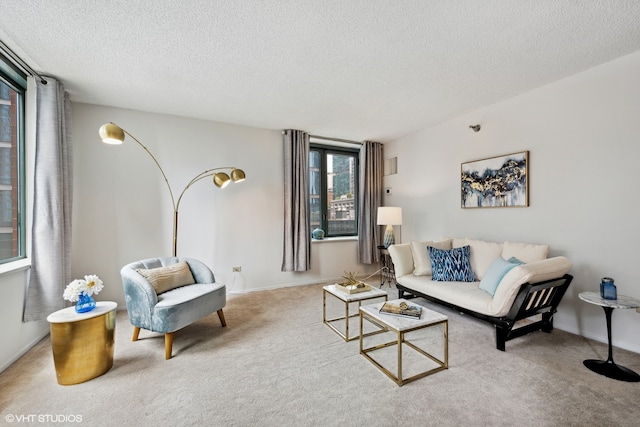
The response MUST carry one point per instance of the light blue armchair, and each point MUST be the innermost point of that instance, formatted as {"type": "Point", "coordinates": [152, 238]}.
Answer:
{"type": "Point", "coordinates": [150, 306]}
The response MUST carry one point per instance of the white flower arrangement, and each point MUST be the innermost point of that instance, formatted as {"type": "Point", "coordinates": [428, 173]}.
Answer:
{"type": "Point", "coordinates": [90, 285]}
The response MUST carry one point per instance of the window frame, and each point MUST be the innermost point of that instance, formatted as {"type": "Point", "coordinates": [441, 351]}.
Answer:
{"type": "Point", "coordinates": [16, 81]}
{"type": "Point", "coordinates": [324, 149]}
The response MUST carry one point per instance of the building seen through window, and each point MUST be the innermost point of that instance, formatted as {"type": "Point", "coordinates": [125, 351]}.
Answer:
{"type": "Point", "coordinates": [11, 230]}
{"type": "Point", "coordinates": [333, 189]}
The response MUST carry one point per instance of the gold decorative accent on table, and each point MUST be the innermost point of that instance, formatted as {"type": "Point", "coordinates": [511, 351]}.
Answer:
{"type": "Point", "coordinates": [83, 343]}
{"type": "Point", "coordinates": [352, 285]}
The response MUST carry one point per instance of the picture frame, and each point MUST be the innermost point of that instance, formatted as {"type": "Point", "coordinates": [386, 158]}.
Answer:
{"type": "Point", "coordinates": [495, 182]}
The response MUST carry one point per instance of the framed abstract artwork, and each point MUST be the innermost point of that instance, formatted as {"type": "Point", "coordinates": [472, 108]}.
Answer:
{"type": "Point", "coordinates": [496, 182]}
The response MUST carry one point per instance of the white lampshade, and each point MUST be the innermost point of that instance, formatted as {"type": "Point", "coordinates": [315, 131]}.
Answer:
{"type": "Point", "coordinates": [388, 215]}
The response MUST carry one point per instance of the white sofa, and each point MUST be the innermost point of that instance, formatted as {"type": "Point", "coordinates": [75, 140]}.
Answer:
{"type": "Point", "coordinates": [500, 293]}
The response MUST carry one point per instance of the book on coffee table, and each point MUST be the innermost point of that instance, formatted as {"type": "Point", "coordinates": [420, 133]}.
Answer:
{"type": "Point", "coordinates": [401, 309]}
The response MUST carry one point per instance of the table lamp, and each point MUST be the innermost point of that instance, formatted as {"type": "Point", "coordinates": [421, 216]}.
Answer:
{"type": "Point", "coordinates": [389, 216]}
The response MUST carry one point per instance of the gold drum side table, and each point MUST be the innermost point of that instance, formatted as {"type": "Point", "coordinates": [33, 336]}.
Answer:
{"type": "Point", "coordinates": [83, 343]}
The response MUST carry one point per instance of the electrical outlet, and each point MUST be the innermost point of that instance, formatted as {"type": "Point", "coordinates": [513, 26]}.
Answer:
{"type": "Point", "coordinates": [237, 269]}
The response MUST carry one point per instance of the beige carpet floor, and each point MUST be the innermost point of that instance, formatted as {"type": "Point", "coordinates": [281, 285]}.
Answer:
{"type": "Point", "coordinates": [277, 364]}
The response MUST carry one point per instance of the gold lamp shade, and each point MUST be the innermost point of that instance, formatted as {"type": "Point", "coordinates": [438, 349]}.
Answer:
{"type": "Point", "coordinates": [221, 179]}
{"type": "Point", "coordinates": [237, 175]}
{"type": "Point", "coordinates": [111, 134]}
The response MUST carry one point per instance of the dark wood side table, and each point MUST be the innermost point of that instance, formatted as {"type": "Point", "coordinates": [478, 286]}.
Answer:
{"type": "Point", "coordinates": [387, 273]}
{"type": "Point", "coordinates": [608, 367]}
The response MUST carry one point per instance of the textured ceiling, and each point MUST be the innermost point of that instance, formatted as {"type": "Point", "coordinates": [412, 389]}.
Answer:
{"type": "Point", "coordinates": [354, 69]}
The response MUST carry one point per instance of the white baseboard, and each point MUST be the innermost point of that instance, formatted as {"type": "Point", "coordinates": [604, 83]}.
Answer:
{"type": "Point", "coordinates": [24, 350]}
{"type": "Point", "coordinates": [596, 337]}
{"type": "Point", "coordinates": [286, 285]}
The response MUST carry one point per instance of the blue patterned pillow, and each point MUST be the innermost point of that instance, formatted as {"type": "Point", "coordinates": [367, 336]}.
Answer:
{"type": "Point", "coordinates": [451, 265]}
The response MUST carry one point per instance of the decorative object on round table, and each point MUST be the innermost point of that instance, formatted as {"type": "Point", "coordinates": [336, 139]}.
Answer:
{"type": "Point", "coordinates": [81, 290]}
{"type": "Point", "coordinates": [318, 234]}
{"type": "Point", "coordinates": [85, 303]}
{"type": "Point", "coordinates": [608, 288]}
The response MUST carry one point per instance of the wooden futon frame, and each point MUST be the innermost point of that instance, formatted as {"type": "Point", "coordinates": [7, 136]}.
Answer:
{"type": "Point", "coordinates": [540, 298]}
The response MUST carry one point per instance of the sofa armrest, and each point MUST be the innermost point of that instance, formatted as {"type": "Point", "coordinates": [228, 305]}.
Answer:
{"type": "Point", "coordinates": [402, 259]}
{"type": "Point", "coordinates": [533, 272]}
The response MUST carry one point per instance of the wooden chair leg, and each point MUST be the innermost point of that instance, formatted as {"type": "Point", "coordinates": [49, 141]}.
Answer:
{"type": "Point", "coordinates": [168, 345]}
{"type": "Point", "coordinates": [221, 316]}
{"type": "Point", "coordinates": [136, 333]}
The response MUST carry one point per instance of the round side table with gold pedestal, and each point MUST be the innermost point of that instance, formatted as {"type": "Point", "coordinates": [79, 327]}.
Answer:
{"type": "Point", "coordinates": [82, 343]}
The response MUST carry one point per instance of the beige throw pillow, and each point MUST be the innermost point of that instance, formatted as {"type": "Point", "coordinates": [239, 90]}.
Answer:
{"type": "Point", "coordinates": [421, 259]}
{"type": "Point", "coordinates": [483, 254]}
{"type": "Point", "coordinates": [525, 252]}
{"type": "Point", "coordinates": [164, 279]}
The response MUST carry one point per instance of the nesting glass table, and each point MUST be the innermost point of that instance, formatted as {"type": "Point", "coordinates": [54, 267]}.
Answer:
{"type": "Point", "coordinates": [347, 299]}
{"type": "Point", "coordinates": [400, 327]}
{"type": "Point", "coordinates": [608, 367]}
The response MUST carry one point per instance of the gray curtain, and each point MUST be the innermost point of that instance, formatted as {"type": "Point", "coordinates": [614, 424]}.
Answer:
{"type": "Point", "coordinates": [52, 188]}
{"type": "Point", "coordinates": [296, 254]}
{"type": "Point", "coordinates": [370, 198]}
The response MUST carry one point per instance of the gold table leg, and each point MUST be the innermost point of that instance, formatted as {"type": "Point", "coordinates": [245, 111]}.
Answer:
{"type": "Point", "coordinates": [345, 336]}
{"type": "Point", "coordinates": [399, 341]}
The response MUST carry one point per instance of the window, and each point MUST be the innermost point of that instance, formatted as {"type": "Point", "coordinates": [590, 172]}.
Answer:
{"type": "Point", "coordinates": [12, 230]}
{"type": "Point", "coordinates": [333, 192]}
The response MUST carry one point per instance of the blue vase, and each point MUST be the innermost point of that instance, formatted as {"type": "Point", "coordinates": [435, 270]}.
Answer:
{"type": "Point", "coordinates": [608, 288]}
{"type": "Point", "coordinates": [318, 234]}
{"type": "Point", "coordinates": [85, 303]}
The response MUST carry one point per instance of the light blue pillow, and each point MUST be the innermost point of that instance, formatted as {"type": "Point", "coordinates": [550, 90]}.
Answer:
{"type": "Point", "coordinates": [496, 271]}
{"type": "Point", "coordinates": [451, 265]}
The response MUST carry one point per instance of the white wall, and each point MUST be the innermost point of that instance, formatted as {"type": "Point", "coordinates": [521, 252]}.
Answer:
{"type": "Point", "coordinates": [16, 337]}
{"type": "Point", "coordinates": [583, 134]}
{"type": "Point", "coordinates": [123, 213]}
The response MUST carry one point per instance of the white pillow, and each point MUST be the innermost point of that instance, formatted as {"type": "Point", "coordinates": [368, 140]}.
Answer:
{"type": "Point", "coordinates": [458, 242]}
{"type": "Point", "coordinates": [525, 252]}
{"type": "Point", "coordinates": [164, 279]}
{"type": "Point", "coordinates": [421, 259]}
{"type": "Point", "coordinates": [483, 254]}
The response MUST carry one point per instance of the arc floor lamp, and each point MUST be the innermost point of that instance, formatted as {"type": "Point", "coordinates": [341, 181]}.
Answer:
{"type": "Point", "coordinates": [110, 133]}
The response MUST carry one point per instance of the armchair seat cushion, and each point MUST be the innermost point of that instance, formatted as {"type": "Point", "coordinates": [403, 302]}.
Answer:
{"type": "Point", "coordinates": [179, 307]}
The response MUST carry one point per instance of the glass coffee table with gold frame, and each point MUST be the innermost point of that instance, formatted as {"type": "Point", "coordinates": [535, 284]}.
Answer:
{"type": "Point", "coordinates": [347, 299]}
{"type": "Point", "coordinates": [401, 326]}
